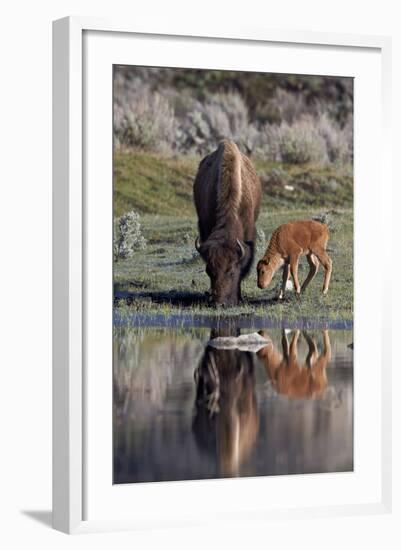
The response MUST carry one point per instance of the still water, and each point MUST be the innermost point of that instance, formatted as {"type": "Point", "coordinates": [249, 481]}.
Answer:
{"type": "Point", "coordinates": [183, 409]}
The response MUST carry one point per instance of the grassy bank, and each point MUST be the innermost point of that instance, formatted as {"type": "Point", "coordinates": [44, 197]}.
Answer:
{"type": "Point", "coordinates": [154, 184]}
{"type": "Point", "coordinates": [168, 278]}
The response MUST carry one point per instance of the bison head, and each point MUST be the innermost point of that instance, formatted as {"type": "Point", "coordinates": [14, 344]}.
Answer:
{"type": "Point", "coordinates": [226, 263]}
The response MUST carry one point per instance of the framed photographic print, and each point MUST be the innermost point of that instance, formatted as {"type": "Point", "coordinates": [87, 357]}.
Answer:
{"type": "Point", "coordinates": [219, 321]}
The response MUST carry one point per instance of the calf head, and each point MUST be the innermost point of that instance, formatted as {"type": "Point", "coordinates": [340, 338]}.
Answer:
{"type": "Point", "coordinates": [265, 273]}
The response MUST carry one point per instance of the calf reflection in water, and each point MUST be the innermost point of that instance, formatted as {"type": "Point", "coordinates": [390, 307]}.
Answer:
{"type": "Point", "coordinates": [226, 418]}
{"type": "Point", "coordinates": [291, 377]}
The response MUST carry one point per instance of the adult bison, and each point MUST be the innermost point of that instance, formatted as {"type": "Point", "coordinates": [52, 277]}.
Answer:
{"type": "Point", "coordinates": [227, 195]}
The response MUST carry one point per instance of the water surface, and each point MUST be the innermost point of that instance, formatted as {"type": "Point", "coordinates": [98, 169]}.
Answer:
{"type": "Point", "coordinates": [185, 410]}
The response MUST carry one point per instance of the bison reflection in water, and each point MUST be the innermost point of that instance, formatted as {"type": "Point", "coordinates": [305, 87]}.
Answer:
{"type": "Point", "coordinates": [291, 377]}
{"type": "Point", "coordinates": [226, 420]}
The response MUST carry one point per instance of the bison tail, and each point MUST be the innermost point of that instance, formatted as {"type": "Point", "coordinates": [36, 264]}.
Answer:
{"type": "Point", "coordinates": [230, 185]}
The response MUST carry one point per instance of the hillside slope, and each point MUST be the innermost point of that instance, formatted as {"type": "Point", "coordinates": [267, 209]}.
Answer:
{"type": "Point", "coordinates": [154, 184]}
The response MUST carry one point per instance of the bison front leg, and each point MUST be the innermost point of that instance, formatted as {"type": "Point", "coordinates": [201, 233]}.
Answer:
{"type": "Point", "coordinates": [239, 294]}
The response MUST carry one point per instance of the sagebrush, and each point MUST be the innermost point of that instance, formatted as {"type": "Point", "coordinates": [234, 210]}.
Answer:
{"type": "Point", "coordinates": [296, 130]}
{"type": "Point", "coordinates": [127, 236]}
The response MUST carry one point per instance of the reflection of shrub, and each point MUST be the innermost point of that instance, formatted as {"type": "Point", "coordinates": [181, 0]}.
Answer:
{"type": "Point", "coordinates": [127, 236]}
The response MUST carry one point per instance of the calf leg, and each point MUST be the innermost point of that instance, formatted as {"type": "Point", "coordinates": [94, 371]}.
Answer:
{"type": "Point", "coordinates": [285, 346]}
{"type": "Point", "coordinates": [326, 346]}
{"type": "Point", "coordinates": [286, 275]}
{"type": "Point", "coordinates": [294, 259]}
{"type": "Point", "coordinates": [294, 345]}
{"type": "Point", "coordinates": [323, 359]}
{"type": "Point", "coordinates": [312, 350]}
{"type": "Point", "coordinates": [313, 268]}
{"type": "Point", "coordinates": [326, 262]}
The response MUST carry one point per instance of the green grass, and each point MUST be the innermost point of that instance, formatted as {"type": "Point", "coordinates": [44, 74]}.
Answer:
{"type": "Point", "coordinates": [153, 184]}
{"type": "Point", "coordinates": [168, 277]}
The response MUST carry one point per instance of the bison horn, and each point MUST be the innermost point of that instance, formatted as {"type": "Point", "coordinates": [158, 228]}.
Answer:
{"type": "Point", "coordinates": [197, 244]}
{"type": "Point", "coordinates": [242, 248]}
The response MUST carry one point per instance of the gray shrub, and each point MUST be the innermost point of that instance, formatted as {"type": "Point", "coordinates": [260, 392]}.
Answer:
{"type": "Point", "coordinates": [127, 236]}
{"type": "Point", "coordinates": [301, 142]}
{"type": "Point", "coordinates": [206, 123]}
{"type": "Point", "coordinates": [338, 141]}
{"type": "Point", "coordinates": [290, 107]}
{"type": "Point", "coordinates": [317, 139]}
{"type": "Point", "coordinates": [178, 122]}
{"type": "Point", "coordinates": [143, 119]}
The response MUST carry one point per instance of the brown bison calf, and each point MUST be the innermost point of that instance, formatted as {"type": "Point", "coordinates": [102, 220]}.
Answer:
{"type": "Point", "coordinates": [288, 243]}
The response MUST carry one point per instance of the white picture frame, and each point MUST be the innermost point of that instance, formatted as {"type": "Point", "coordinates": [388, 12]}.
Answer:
{"type": "Point", "coordinates": [70, 284]}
